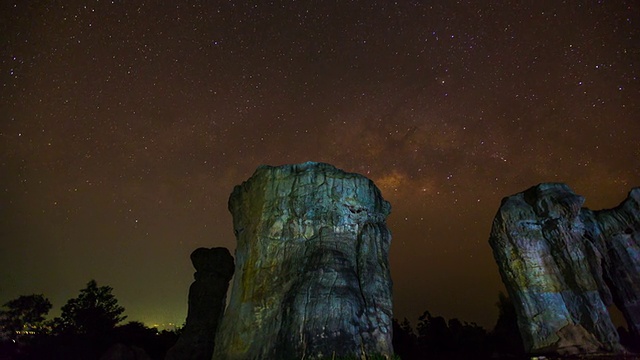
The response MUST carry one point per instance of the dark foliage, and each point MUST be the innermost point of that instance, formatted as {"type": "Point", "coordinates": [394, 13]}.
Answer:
{"type": "Point", "coordinates": [404, 339]}
{"type": "Point", "coordinates": [153, 342]}
{"type": "Point", "coordinates": [437, 338]}
{"type": "Point", "coordinates": [24, 314]}
{"type": "Point", "coordinates": [506, 337]}
{"type": "Point", "coordinates": [81, 347]}
{"type": "Point", "coordinates": [94, 312]}
{"type": "Point", "coordinates": [86, 329]}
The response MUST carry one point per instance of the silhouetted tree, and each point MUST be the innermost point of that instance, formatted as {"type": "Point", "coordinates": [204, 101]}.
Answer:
{"type": "Point", "coordinates": [86, 329]}
{"type": "Point", "coordinates": [506, 334]}
{"type": "Point", "coordinates": [154, 343]}
{"type": "Point", "coordinates": [453, 339]}
{"type": "Point", "coordinates": [21, 324]}
{"type": "Point", "coordinates": [433, 333]}
{"type": "Point", "coordinates": [133, 331]}
{"type": "Point", "coordinates": [24, 314]}
{"type": "Point", "coordinates": [467, 338]}
{"type": "Point", "coordinates": [94, 312]}
{"type": "Point", "coordinates": [404, 340]}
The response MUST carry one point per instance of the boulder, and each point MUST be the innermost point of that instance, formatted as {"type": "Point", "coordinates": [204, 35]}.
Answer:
{"type": "Point", "coordinates": [207, 298]}
{"type": "Point", "coordinates": [563, 265]}
{"type": "Point", "coordinates": [312, 272]}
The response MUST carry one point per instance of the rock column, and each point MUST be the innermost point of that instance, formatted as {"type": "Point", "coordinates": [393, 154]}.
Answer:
{"type": "Point", "coordinates": [207, 297]}
{"type": "Point", "coordinates": [564, 265]}
{"type": "Point", "coordinates": [312, 272]}
{"type": "Point", "coordinates": [616, 233]}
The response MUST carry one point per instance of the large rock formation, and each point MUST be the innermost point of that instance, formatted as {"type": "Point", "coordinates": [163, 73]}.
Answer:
{"type": "Point", "coordinates": [563, 265]}
{"type": "Point", "coordinates": [312, 273]}
{"type": "Point", "coordinates": [207, 295]}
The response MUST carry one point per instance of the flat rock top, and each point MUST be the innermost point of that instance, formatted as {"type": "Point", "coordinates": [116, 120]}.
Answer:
{"type": "Point", "coordinates": [309, 180]}
{"type": "Point", "coordinates": [292, 170]}
{"type": "Point", "coordinates": [305, 166]}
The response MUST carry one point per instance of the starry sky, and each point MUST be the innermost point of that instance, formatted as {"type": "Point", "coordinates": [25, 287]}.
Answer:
{"type": "Point", "coordinates": [125, 126]}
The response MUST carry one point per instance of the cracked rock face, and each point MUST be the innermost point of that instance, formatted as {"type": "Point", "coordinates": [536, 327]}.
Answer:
{"type": "Point", "coordinates": [207, 295]}
{"type": "Point", "coordinates": [563, 265]}
{"type": "Point", "coordinates": [312, 273]}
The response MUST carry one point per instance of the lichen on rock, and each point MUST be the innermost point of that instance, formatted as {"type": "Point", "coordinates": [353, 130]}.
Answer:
{"type": "Point", "coordinates": [563, 265]}
{"type": "Point", "coordinates": [312, 274]}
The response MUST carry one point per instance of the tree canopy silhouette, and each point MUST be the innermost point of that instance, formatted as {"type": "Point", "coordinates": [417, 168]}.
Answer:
{"type": "Point", "coordinates": [95, 311]}
{"type": "Point", "coordinates": [438, 338]}
{"type": "Point", "coordinates": [506, 333]}
{"type": "Point", "coordinates": [24, 314]}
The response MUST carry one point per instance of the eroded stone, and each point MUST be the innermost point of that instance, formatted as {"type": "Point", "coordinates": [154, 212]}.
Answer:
{"type": "Point", "coordinates": [312, 273]}
{"type": "Point", "coordinates": [564, 265]}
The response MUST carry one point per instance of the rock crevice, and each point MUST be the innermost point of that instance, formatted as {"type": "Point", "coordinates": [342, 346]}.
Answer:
{"type": "Point", "coordinates": [312, 273]}
{"type": "Point", "coordinates": [563, 265]}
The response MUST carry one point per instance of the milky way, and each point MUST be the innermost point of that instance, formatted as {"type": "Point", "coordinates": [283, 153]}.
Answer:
{"type": "Point", "coordinates": [125, 126]}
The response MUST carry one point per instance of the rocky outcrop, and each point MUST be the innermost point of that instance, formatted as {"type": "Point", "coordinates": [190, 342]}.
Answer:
{"type": "Point", "coordinates": [616, 234]}
{"type": "Point", "coordinates": [207, 295]}
{"type": "Point", "coordinates": [563, 265]}
{"type": "Point", "coordinates": [312, 273]}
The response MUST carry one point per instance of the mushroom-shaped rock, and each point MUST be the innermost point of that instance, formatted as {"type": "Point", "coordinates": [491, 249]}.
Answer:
{"type": "Point", "coordinates": [207, 295]}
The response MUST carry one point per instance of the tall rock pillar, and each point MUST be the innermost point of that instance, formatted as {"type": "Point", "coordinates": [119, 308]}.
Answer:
{"type": "Point", "coordinates": [207, 297]}
{"type": "Point", "coordinates": [616, 233]}
{"type": "Point", "coordinates": [563, 265]}
{"type": "Point", "coordinates": [312, 273]}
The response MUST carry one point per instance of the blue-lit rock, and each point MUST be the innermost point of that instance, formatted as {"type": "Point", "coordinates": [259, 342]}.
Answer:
{"type": "Point", "coordinates": [564, 265]}
{"type": "Point", "coordinates": [616, 234]}
{"type": "Point", "coordinates": [312, 274]}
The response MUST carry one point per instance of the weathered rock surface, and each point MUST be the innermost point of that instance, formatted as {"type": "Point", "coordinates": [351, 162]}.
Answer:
{"type": "Point", "coordinates": [563, 265]}
{"type": "Point", "coordinates": [207, 295]}
{"type": "Point", "coordinates": [312, 273]}
{"type": "Point", "coordinates": [616, 233]}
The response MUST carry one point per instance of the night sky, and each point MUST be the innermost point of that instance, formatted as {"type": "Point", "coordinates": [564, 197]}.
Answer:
{"type": "Point", "coordinates": [125, 126]}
